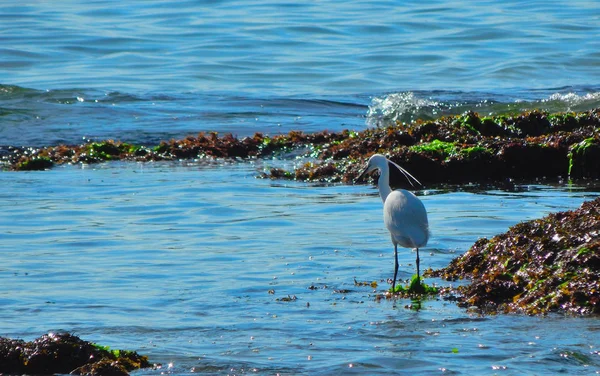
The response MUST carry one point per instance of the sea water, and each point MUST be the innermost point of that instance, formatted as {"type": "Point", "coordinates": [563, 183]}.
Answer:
{"type": "Point", "coordinates": [206, 268]}
{"type": "Point", "coordinates": [146, 71]}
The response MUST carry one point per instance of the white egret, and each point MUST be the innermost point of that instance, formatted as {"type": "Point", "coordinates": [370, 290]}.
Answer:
{"type": "Point", "coordinates": [404, 214]}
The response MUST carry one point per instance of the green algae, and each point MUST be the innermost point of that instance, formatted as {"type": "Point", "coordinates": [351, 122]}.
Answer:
{"type": "Point", "coordinates": [436, 148]}
{"type": "Point", "coordinates": [416, 287]}
{"type": "Point", "coordinates": [471, 121]}
{"type": "Point", "coordinates": [272, 144]}
{"type": "Point", "coordinates": [562, 118]}
{"type": "Point", "coordinates": [161, 148]}
{"type": "Point", "coordinates": [444, 150]}
{"type": "Point", "coordinates": [584, 158]}
{"type": "Point", "coordinates": [114, 353]}
{"type": "Point", "coordinates": [476, 152]}
{"type": "Point", "coordinates": [107, 150]}
{"type": "Point", "coordinates": [34, 163]}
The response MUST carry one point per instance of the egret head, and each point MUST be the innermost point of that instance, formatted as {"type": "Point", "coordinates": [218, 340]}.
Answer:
{"type": "Point", "coordinates": [381, 163]}
{"type": "Point", "coordinates": [377, 161]}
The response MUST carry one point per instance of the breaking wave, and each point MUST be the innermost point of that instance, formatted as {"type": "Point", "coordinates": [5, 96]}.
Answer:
{"type": "Point", "coordinates": [406, 107]}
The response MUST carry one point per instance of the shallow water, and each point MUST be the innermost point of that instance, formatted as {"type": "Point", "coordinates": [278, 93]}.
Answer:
{"type": "Point", "coordinates": [189, 264]}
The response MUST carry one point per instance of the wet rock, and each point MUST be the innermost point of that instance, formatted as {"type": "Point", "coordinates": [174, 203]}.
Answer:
{"type": "Point", "coordinates": [65, 353]}
{"type": "Point", "coordinates": [104, 367]}
{"type": "Point", "coordinates": [452, 149]}
{"type": "Point", "coordinates": [545, 265]}
{"type": "Point", "coordinates": [584, 158]}
{"type": "Point", "coordinates": [468, 148]}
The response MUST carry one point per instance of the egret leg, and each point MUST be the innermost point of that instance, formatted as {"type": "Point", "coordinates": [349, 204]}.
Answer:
{"type": "Point", "coordinates": [418, 272]}
{"type": "Point", "coordinates": [395, 266]}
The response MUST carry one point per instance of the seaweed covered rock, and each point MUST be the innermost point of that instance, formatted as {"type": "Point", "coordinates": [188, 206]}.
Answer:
{"type": "Point", "coordinates": [468, 148]}
{"type": "Point", "coordinates": [584, 158]}
{"type": "Point", "coordinates": [209, 145]}
{"type": "Point", "coordinates": [451, 149]}
{"type": "Point", "coordinates": [540, 266]}
{"type": "Point", "coordinates": [65, 353]}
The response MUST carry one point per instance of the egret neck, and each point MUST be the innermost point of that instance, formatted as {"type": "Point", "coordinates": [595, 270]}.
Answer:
{"type": "Point", "coordinates": [383, 184]}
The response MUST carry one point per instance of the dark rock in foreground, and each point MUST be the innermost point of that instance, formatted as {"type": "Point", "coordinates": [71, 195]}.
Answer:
{"type": "Point", "coordinates": [545, 265]}
{"type": "Point", "coordinates": [64, 353]}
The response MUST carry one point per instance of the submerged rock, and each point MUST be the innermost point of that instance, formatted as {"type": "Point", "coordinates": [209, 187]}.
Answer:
{"type": "Point", "coordinates": [65, 353]}
{"type": "Point", "coordinates": [545, 265]}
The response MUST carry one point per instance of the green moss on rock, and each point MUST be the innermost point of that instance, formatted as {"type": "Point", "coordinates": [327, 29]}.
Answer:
{"type": "Point", "coordinates": [34, 163]}
{"type": "Point", "coordinates": [437, 149]}
{"type": "Point", "coordinates": [584, 158]}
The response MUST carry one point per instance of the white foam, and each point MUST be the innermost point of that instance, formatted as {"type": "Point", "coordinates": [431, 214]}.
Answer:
{"type": "Point", "coordinates": [573, 98]}
{"type": "Point", "coordinates": [397, 107]}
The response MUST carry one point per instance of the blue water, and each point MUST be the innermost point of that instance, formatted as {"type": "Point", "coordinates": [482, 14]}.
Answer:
{"type": "Point", "coordinates": [189, 261]}
{"type": "Point", "coordinates": [146, 71]}
{"type": "Point", "coordinates": [305, 48]}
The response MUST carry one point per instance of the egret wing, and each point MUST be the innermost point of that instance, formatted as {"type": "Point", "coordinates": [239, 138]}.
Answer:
{"type": "Point", "coordinates": [405, 217]}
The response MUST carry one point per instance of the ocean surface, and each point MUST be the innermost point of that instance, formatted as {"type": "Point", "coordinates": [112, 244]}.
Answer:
{"type": "Point", "coordinates": [147, 71]}
{"type": "Point", "coordinates": [207, 269]}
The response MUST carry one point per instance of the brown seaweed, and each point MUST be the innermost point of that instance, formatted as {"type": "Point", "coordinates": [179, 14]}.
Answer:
{"type": "Point", "coordinates": [451, 149]}
{"type": "Point", "coordinates": [546, 265]}
{"type": "Point", "coordinates": [64, 353]}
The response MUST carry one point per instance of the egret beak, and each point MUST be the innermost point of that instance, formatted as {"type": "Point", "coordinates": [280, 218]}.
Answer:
{"type": "Point", "coordinates": [362, 175]}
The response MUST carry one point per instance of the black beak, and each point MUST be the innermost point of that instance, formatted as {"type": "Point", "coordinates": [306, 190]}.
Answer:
{"type": "Point", "coordinates": [362, 175]}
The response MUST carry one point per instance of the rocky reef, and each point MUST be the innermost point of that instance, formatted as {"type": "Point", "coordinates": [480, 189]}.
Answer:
{"type": "Point", "coordinates": [64, 353]}
{"type": "Point", "coordinates": [545, 265]}
{"type": "Point", "coordinates": [203, 145]}
{"type": "Point", "coordinates": [468, 148]}
{"type": "Point", "coordinates": [452, 149]}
